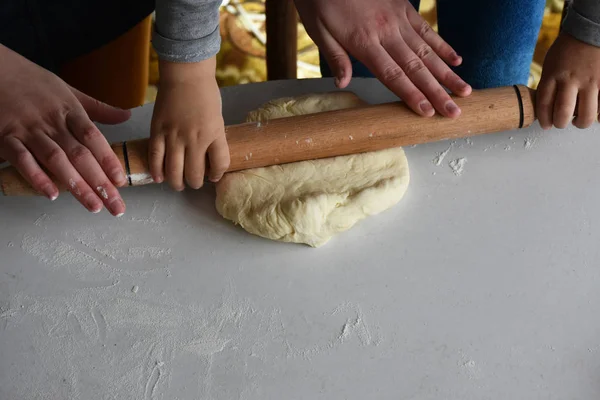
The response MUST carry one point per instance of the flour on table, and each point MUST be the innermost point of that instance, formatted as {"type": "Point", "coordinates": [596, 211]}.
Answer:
{"type": "Point", "coordinates": [311, 201]}
{"type": "Point", "coordinates": [529, 142]}
{"type": "Point", "coordinates": [143, 178]}
{"type": "Point", "coordinates": [458, 165]}
{"type": "Point", "coordinates": [440, 156]}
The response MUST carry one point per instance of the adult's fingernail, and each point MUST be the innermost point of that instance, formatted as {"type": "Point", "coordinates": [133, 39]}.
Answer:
{"type": "Point", "coordinates": [451, 107]}
{"type": "Point", "coordinates": [50, 192]}
{"type": "Point", "coordinates": [119, 177]}
{"type": "Point", "coordinates": [337, 82]}
{"type": "Point", "coordinates": [158, 179]}
{"type": "Point", "coordinates": [93, 204]}
{"type": "Point", "coordinates": [463, 85]}
{"type": "Point", "coordinates": [215, 179]}
{"type": "Point", "coordinates": [426, 107]}
{"type": "Point", "coordinates": [116, 207]}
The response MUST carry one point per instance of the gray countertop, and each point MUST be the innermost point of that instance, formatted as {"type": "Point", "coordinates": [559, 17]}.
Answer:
{"type": "Point", "coordinates": [483, 285]}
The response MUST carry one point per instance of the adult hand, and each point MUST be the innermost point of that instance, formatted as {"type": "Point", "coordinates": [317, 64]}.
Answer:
{"type": "Point", "coordinates": [391, 39]}
{"type": "Point", "coordinates": [47, 124]}
{"type": "Point", "coordinates": [569, 84]}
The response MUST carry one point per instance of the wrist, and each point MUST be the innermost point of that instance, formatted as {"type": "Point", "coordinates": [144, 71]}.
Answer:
{"type": "Point", "coordinates": [174, 72]}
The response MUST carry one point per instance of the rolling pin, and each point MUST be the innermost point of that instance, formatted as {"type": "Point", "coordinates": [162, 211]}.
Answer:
{"type": "Point", "coordinates": [335, 133]}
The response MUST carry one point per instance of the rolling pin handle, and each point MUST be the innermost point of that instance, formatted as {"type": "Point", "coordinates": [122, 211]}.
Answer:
{"type": "Point", "coordinates": [126, 163]}
{"type": "Point", "coordinates": [521, 111]}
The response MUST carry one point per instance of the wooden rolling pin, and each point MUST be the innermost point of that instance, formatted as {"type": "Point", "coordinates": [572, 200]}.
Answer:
{"type": "Point", "coordinates": [336, 133]}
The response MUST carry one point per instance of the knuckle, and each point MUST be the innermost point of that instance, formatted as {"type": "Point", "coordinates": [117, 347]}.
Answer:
{"type": "Point", "coordinates": [222, 164]}
{"type": "Point", "coordinates": [54, 156]}
{"type": "Point", "coordinates": [79, 154]}
{"type": "Point", "coordinates": [392, 73]}
{"type": "Point", "coordinates": [338, 58]}
{"type": "Point", "coordinates": [424, 29]}
{"type": "Point", "coordinates": [90, 133]}
{"type": "Point", "coordinates": [361, 40]}
{"type": "Point", "coordinates": [414, 66]}
{"type": "Point", "coordinates": [424, 51]}
{"type": "Point", "coordinates": [38, 179]}
{"type": "Point", "coordinates": [564, 111]}
{"type": "Point", "coordinates": [108, 162]}
{"type": "Point", "coordinates": [155, 154]}
{"type": "Point", "coordinates": [222, 167]}
{"type": "Point", "coordinates": [21, 157]}
{"type": "Point", "coordinates": [58, 114]}
{"type": "Point", "coordinates": [381, 20]}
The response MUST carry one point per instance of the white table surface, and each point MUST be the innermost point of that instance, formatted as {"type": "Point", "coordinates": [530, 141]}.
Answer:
{"type": "Point", "coordinates": [479, 286]}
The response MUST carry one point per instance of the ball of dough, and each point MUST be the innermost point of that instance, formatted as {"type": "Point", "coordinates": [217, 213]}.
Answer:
{"type": "Point", "coordinates": [311, 201]}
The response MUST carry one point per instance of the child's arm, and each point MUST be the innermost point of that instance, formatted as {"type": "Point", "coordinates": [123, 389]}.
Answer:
{"type": "Point", "coordinates": [187, 125]}
{"type": "Point", "coordinates": [571, 74]}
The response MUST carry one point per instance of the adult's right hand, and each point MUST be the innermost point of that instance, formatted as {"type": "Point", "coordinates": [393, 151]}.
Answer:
{"type": "Point", "coordinates": [46, 123]}
{"type": "Point", "coordinates": [391, 39]}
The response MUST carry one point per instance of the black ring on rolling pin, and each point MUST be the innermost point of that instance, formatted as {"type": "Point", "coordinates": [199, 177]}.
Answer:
{"type": "Point", "coordinates": [126, 159]}
{"type": "Point", "coordinates": [521, 111]}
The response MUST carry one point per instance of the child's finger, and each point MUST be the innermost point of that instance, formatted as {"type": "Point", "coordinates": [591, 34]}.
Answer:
{"type": "Point", "coordinates": [587, 107]}
{"type": "Point", "coordinates": [156, 157]}
{"type": "Point", "coordinates": [564, 105]}
{"type": "Point", "coordinates": [545, 102]}
{"type": "Point", "coordinates": [195, 160]}
{"type": "Point", "coordinates": [218, 154]}
{"type": "Point", "coordinates": [174, 161]}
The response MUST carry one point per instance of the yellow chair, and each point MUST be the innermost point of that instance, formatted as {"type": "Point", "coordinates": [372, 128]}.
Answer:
{"type": "Point", "coordinates": [116, 73]}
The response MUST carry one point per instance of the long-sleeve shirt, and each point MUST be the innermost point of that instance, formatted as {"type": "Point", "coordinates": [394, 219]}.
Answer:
{"type": "Point", "coordinates": [583, 21]}
{"type": "Point", "coordinates": [188, 30]}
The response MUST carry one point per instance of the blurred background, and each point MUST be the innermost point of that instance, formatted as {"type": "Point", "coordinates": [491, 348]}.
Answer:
{"type": "Point", "coordinates": [130, 66]}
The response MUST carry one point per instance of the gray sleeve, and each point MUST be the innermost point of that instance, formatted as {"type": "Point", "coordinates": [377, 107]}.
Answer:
{"type": "Point", "coordinates": [186, 30]}
{"type": "Point", "coordinates": [583, 21]}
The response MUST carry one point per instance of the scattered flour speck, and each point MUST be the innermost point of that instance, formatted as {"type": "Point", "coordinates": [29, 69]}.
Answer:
{"type": "Point", "coordinates": [528, 143]}
{"type": "Point", "coordinates": [458, 165]}
{"type": "Point", "coordinates": [440, 156]}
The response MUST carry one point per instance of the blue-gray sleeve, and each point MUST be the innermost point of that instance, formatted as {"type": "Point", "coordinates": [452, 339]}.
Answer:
{"type": "Point", "coordinates": [186, 30]}
{"type": "Point", "coordinates": [583, 21]}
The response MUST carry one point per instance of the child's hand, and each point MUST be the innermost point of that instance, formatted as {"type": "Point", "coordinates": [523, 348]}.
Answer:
{"type": "Point", "coordinates": [569, 84]}
{"type": "Point", "coordinates": [187, 126]}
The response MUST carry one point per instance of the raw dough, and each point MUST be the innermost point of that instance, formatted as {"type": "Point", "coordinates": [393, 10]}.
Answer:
{"type": "Point", "coordinates": [310, 201]}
